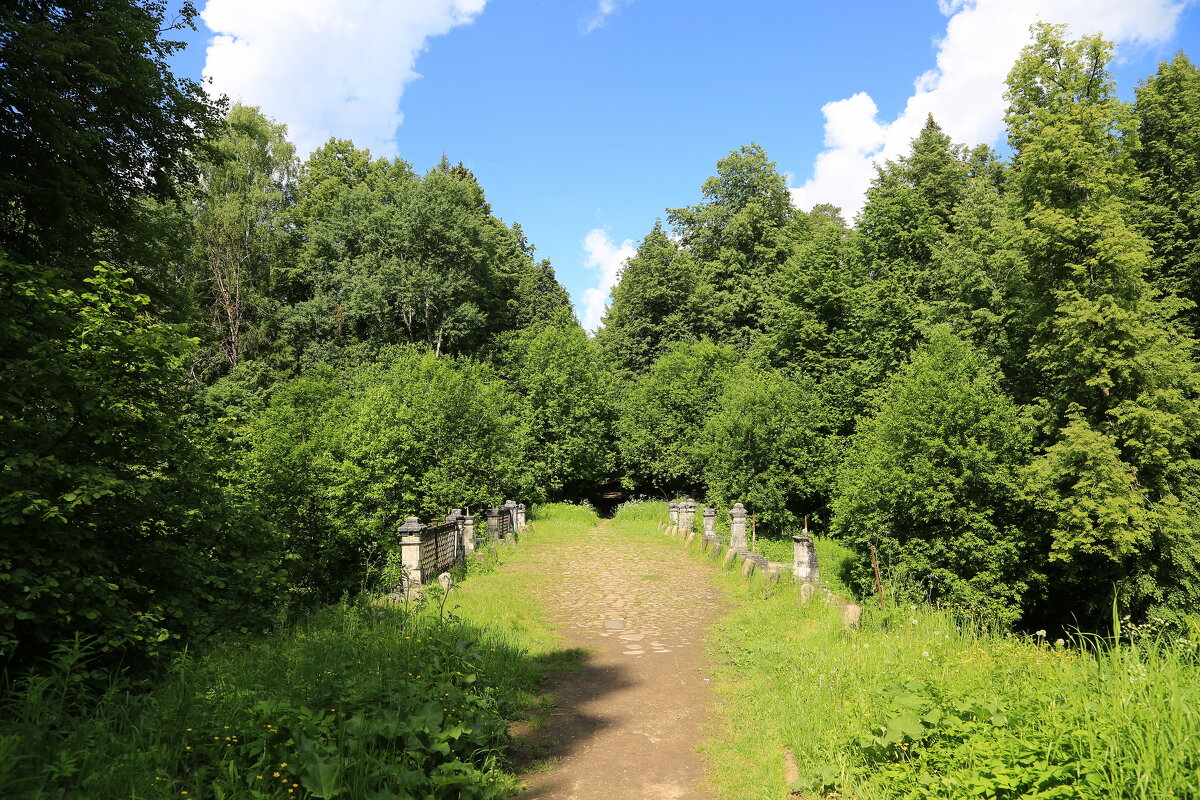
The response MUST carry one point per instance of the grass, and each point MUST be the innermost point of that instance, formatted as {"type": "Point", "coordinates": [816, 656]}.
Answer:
{"type": "Point", "coordinates": [360, 700]}
{"type": "Point", "coordinates": [920, 702]}
{"type": "Point", "coordinates": [927, 703]}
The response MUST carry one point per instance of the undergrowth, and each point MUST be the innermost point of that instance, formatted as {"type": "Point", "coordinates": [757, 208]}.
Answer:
{"type": "Point", "coordinates": [364, 699]}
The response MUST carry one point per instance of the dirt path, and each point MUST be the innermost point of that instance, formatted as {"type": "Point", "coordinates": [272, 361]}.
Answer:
{"type": "Point", "coordinates": [627, 724]}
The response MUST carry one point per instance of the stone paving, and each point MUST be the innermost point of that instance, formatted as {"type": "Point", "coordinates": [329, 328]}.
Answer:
{"type": "Point", "coordinates": [650, 602]}
{"type": "Point", "coordinates": [628, 726]}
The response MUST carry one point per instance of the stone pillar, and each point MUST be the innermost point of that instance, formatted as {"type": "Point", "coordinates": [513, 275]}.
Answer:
{"type": "Point", "coordinates": [673, 512]}
{"type": "Point", "coordinates": [410, 550]}
{"type": "Point", "coordinates": [687, 516]}
{"type": "Point", "coordinates": [710, 524]}
{"type": "Point", "coordinates": [804, 559]}
{"type": "Point", "coordinates": [520, 515]}
{"type": "Point", "coordinates": [510, 507]}
{"type": "Point", "coordinates": [493, 523]}
{"type": "Point", "coordinates": [737, 529]}
{"type": "Point", "coordinates": [468, 533]}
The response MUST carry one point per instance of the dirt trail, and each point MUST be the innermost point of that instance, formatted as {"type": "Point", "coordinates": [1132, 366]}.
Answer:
{"type": "Point", "coordinates": [626, 726]}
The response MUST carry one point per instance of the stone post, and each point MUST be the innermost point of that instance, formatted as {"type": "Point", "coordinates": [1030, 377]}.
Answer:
{"type": "Point", "coordinates": [455, 516]}
{"type": "Point", "coordinates": [510, 506]}
{"type": "Point", "coordinates": [737, 529]}
{"type": "Point", "coordinates": [673, 511]}
{"type": "Point", "coordinates": [710, 524]}
{"type": "Point", "coordinates": [493, 523]}
{"type": "Point", "coordinates": [410, 550]}
{"type": "Point", "coordinates": [468, 533]}
{"type": "Point", "coordinates": [804, 559]}
{"type": "Point", "coordinates": [687, 516]}
{"type": "Point", "coordinates": [520, 515]}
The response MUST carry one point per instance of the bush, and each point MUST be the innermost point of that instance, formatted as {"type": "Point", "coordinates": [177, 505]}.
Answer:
{"type": "Point", "coordinates": [663, 415]}
{"type": "Point", "coordinates": [112, 527]}
{"type": "Point", "coordinates": [338, 460]}
{"type": "Point", "coordinates": [933, 481]}
{"type": "Point", "coordinates": [767, 445]}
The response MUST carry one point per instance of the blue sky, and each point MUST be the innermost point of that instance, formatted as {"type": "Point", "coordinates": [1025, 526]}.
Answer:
{"type": "Point", "coordinates": [585, 119]}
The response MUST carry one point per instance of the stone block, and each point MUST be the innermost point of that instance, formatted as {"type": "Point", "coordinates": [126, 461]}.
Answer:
{"type": "Point", "coordinates": [851, 615]}
{"type": "Point", "coordinates": [748, 567]}
{"type": "Point", "coordinates": [806, 592]}
{"type": "Point", "coordinates": [729, 559]}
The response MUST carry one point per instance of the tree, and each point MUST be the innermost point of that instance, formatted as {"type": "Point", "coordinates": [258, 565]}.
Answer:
{"type": "Point", "coordinates": [652, 304]}
{"type": "Point", "coordinates": [238, 212]}
{"type": "Point", "coordinates": [339, 458]}
{"type": "Point", "coordinates": [1113, 387]}
{"type": "Point", "coordinates": [383, 256]}
{"type": "Point", "coordinates": [91, 122]}
{"type": "Point", "coordinates": [738, 237]}
{"type": "Point", "coordinates": [566, 406]}
{"type": "Point", "coordinates": [768, 444]}
{"type": "Point", "coordinates": [933, 480]}
{"type": "Point", "coordinates": [909, 209]}
{"type": "Point", "coordinates": [112, 524]}
{"type": "Point", "coordinates": [1168, 159]}
{"type": "Point", "coordinates": [810, 302]}
{"type": "Point", "coordinates": [662, 417]}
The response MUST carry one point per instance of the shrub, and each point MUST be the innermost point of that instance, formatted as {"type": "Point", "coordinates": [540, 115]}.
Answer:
{"type": "Point", "coordinates": [932, 480]}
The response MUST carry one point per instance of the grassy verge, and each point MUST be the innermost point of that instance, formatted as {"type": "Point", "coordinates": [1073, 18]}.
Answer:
{"type": "Point", "coordinates": [921, 702]}
{"type": "Point", "coordinates": [361, 700]}
{"type": "Point", "coordinates": [924, 703]}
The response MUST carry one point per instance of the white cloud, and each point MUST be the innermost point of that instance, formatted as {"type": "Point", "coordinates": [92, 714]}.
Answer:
{"type": "Point", "coordinates": [326, 67]}
{"type": "Point", "coordinates": [608, 257]}
{"type": "Point", "coordinates": [604, 10]}
{"type": "Point", "coordinates": [965, 91]}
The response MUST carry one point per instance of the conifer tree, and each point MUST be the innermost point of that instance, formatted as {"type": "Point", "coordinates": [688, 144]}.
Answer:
{"type": "Point", "coordinates": [1113, 390]}
{"type": "Point", "coordinates": [1168, 158]}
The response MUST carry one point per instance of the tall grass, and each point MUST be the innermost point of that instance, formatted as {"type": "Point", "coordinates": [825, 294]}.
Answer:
{"type": "Point", "coordinates": [927, 703]}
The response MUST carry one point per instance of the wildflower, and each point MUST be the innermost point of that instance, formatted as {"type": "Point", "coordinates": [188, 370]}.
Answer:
{"type": "Point", "coordinates": [276, 774]}
{"type": "Point", "coordinates": [284, 764]}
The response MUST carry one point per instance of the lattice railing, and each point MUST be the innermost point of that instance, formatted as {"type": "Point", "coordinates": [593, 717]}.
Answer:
{"type": "Point", "coordinates": [441, 548]}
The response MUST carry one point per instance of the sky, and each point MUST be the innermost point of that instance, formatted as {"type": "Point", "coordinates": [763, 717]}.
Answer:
{"type": "Point", "coordinates": [584, 120]}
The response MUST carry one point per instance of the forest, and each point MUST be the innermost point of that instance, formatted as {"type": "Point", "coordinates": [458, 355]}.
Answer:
{"type": "Point", "coordinates": [227, 374]}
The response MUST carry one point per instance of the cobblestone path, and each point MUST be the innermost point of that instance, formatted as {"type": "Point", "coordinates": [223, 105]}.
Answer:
{"type": "Point", "coordinates": [627, 725]}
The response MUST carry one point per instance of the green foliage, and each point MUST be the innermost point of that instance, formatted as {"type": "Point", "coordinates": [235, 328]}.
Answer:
{"type": "Point", "coordinates": [662, 416]}
{"type": "Point", "coordinates": [738, 238]}
{"type": "Point", "coordinates": [383, 256]}
{"type": "Point", "coordinates": [92, 123]}
{"type": "Point", "coordinates": [357, 701]}
{"type": "Point", "coordinates": [1113, 386]}
{"type": "Point", "coordinates": [767, 445]}
{"type": "Point", "coordinates": [933, 481]}
{"type": "Point", "coordinates": [1168, 160]}
{"type": "Point", "coordinates": [339, 459]}
{"type": "Point", "coordinates": [112, 527]}
{"type": "Point", "coordinates": [652, 305]}
{"type": "Point", "coordinates": [236, 208]}
{"type": "Point", "coordinates": [566, 408]}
